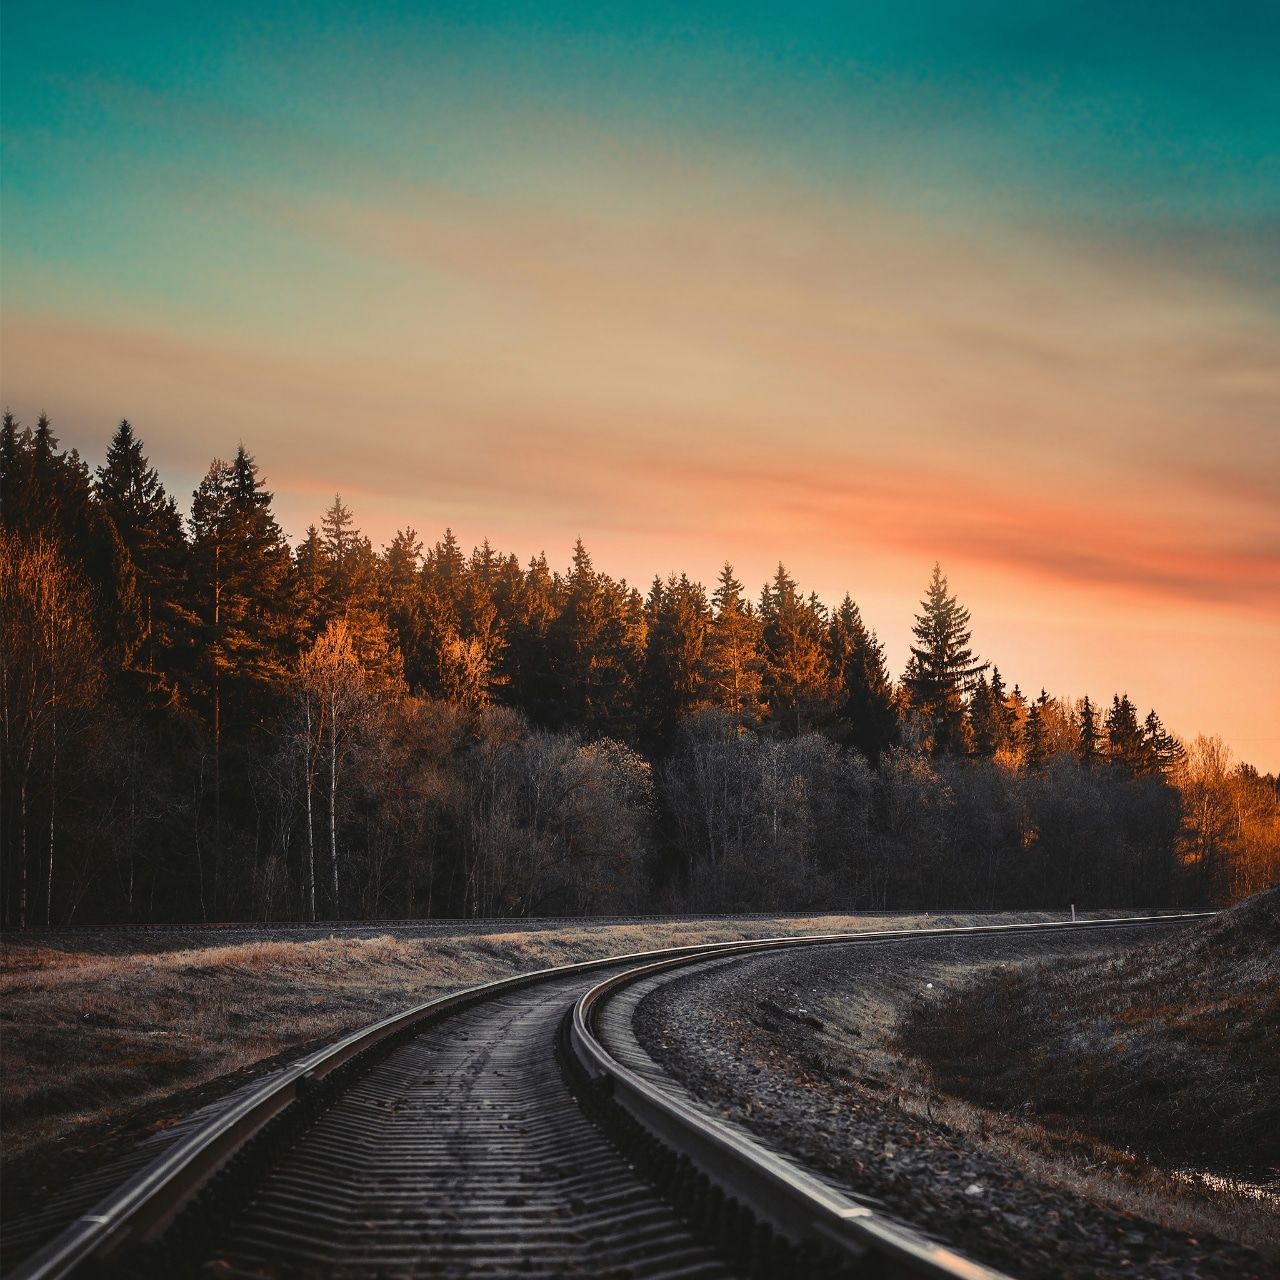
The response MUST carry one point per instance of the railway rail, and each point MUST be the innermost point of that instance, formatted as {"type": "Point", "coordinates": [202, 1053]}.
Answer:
{"type": "Point", "coordinates": [495, 1131]}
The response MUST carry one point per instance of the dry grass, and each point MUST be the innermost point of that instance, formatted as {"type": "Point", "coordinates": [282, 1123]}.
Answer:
{"type": "Point", "coordinates": [1169, 1050]}
{"type": "Point", "coordinates": [843, 1041]}
{"type": "Point", "coordinates": [1102, 1074]}
{"type": "Point", "coordinates": [91, 1037]}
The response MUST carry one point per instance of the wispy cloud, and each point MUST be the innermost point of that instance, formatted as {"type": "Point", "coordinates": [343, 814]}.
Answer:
{"type": "Point", "coordinates": [871, 299]}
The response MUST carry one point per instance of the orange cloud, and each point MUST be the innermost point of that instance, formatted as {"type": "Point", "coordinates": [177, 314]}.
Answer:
{"type": "Point", "coordinates": [1072, 429]}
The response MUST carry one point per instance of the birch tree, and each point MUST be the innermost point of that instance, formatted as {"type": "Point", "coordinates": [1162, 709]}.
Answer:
{"type": "Point", "coordinates": [51, 676]}
{"type": "Point", "coordinates": [339, 689]}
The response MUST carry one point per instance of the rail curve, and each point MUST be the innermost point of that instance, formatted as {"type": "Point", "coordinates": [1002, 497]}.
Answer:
{"type": "Point", "coordinates": [448, 1139]}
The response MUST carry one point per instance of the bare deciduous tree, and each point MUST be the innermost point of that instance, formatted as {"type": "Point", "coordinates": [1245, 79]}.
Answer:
{"type": "Point", "coordinates": [51, 678]}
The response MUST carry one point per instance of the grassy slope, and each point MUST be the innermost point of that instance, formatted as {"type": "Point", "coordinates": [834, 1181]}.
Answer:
{"type": "Point", "coordinates": [1172, 1049]}
{"type": "Point", "coordinates": [88, 1036]}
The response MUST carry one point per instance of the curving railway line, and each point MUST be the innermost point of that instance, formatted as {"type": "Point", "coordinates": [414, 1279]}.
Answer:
{"type": "Point", "coordinates": [511, 1129]}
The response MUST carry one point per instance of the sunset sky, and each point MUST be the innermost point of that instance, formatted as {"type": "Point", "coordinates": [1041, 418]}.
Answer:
{"type": "Point", "coordinates": [855, 286]}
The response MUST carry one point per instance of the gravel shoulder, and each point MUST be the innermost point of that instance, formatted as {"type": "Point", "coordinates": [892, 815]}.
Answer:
{"type": "Point", "coordinates": [802, 1050]}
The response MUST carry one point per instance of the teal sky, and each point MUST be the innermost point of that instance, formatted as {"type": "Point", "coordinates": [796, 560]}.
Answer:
{"type": "Point", "coordinates": [857, 285]}
{"type": "Point", "coordinates": [1145, 118]}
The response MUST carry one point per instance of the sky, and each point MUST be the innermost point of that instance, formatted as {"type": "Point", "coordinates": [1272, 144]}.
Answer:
{"type": "Point", "coordinates": [858, 287]}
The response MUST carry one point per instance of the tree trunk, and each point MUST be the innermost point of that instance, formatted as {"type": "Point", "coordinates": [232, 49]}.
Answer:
{"type": "Point", "coordinates": [22, 852]}
{"type": "Point", "coordinates": [333, 806]}
{"type": "Point", "coordinates": [195, 830]}
{"type": "Point", "coordinates": [53, 804]}
{"type": "Point", "coordinates": [217, 724]}
{"type": "Point", "coordinates": [311, 832]}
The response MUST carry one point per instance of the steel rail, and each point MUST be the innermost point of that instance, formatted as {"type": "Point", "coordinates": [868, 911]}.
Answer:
{"type": "Point", "coordinates": [796, 1205]}
{"type": "Point", "coordinates": [145, 1203]}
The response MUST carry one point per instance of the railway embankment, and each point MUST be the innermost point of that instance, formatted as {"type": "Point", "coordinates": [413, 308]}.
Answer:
{"type": "Point", "coordinates": [1167, 1052]}
{"type": "Point", "coordinates": [806, 1052]}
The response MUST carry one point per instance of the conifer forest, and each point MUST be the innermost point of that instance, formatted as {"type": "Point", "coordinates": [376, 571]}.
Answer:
{"type": "Point", "coordinates": [204, 722]}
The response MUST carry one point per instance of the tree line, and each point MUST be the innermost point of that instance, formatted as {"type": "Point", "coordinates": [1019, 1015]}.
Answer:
{"type": "Point", "coordinates": [203, 721]}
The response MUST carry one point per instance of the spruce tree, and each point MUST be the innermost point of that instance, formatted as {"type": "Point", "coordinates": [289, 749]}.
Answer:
{"type": "Point", "coordinates": [1125, 748]}
{"type": "Point", "coordinates": [1163, 752]}
{"type": "Point", "coordinates": [622, 658]}
{"type": "Point", "coordinates": [242, 583]}
{"type": "Point", "coordinates": [309, 585]}
{"type": "Point", "coordinates": [678, 618]}
{"type": "Point", "coordinates": [478, 615]}
{"type": "Point", "coordinates": [436, 663]}
{"type": "Point", "coordinates": [943, 668]}
{"type": "Point", "coordinates": [984, 720]}
{"type": "Point", "coordinates": [1015, 718]}
{"type": "Point", "coordinates": [731, 656]}
{"type": "Point", "coordinates": [150, 527]}
{"type": "Point", "coordinates": [15, 472]}
{"type": "Point", "coordinates": [1036, 747]}
{"type": "Point", "coordinates": [400, 598]}
{"type": "Point", "coordinates": [526, 601]}
{"type": "Point", "coordinates": [796, 678]}
{"type": "Point", "coordinates": [577, 640]}
{"type": "Point", "coordinates": [1005, 711]}
{"type": "Point", "coordinates": [866, 705]}
{"type": "Point", "coordinates": [1090, 747]}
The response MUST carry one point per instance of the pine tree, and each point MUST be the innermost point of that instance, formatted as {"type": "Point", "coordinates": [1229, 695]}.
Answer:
{"type": "Point", "coordinates": [150, 528]}
{"type": "Point", "coordinates": [864, 693]}
{"type": "Point", "coordinates": [1163, 752]}
{"type": "Point", "coordinates": [1036, 747]}
{"type": "Point", "coordinates": [462, 625]}
{"type": "Point", "coordinates": [731, 655]}
{"type": "Point", "coordinates": [1002, 715]}
{"type": "Point", "coordinates": [1090, 747]}
{"type": "Point", "coordinates": [49, 494]}
{"type": "Point", "coordinates": [576, 642]}
{"type": "Point", "coordinates": [349, 565]}
{"type": "Point", "coordinates": [678, 619]}
{"type": "Point", "coordinates": [15, 473]}
{"type": "Point", "coordinates": [943, 668]}
{"type": "Point", "coordinates": [309, 585]}
{"type": "Point", "coordinates": [241, 582]}
{"type": "Point", "coordinates": [45, 501]}
{"type": "Point", "coordinates": [478, 616]}
{"type": "Point", "coordinates": [1124, 737]}
{"type": "Point", "coordinates": [993, 717]}
{"type": "Point", "coordinates": [526, 603]}
{"type": "Point", "coordinates": [444, 655]}
{"type": "Point", "coordinates": [400, 598]}
{"type": "Point", "coordinates": [624, 637]}
{"type": "Point", "coordinates": [796, 679]}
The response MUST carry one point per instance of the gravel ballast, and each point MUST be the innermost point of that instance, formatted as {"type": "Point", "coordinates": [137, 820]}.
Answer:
{"type": "Point", "coordinates": [799, 1049]}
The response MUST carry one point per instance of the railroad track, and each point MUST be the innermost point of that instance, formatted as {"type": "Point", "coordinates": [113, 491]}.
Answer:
{"type": "Point", "coordinates": [497, 1131]}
